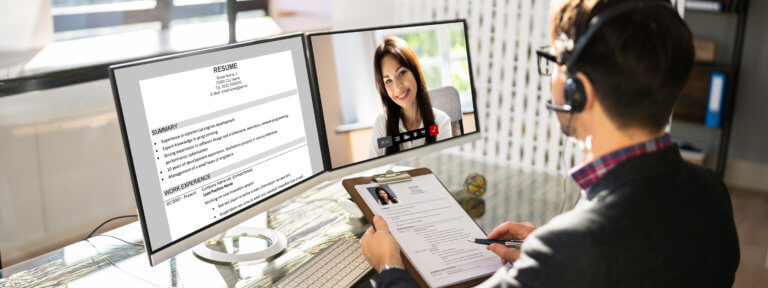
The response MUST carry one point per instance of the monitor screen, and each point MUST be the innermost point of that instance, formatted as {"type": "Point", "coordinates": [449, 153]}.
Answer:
{"type": "Point", "coordinates": [214, 132]}
{"type": "Point", "coordinates": [388, 90]}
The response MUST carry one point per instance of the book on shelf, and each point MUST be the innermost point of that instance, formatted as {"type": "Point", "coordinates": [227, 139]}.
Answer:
{"type": "Point", "coordinates": [704, 5]}
{"type": "Point", "coordinates": [716, 91]}
{"type": "Point", "coordinates": [705, 50]}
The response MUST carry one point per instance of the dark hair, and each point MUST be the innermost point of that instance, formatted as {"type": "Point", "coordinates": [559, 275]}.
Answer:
{"type": "Point", "coordinates": [638, 62]}
{"type": "Point", "coordinates": [381, 200]}
{"type": "Point", "coordinates": [405, 55]}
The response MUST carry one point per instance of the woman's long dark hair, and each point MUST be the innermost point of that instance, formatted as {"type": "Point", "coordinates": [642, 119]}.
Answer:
{"type": "Point", "coordinates": [405, 55]}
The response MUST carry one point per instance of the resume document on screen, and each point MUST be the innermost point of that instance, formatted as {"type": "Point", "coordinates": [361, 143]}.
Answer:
{"type": "Point", "coordinates": [224, 137]}
{"type": "Point", "coordinates": [432, 229]}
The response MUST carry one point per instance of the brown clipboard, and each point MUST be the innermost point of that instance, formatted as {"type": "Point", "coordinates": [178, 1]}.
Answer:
{"type": "Point", "coordinates": [349, 185]}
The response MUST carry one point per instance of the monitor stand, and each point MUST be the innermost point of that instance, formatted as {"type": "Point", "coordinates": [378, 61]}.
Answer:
{"type": "Point", "coordinates": [242, 249]}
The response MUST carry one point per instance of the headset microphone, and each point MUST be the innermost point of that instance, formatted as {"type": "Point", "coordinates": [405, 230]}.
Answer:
{"type": "Point", "coordinates": [558, 108]}
{"type": "Point", "coordinates": [575, 97]}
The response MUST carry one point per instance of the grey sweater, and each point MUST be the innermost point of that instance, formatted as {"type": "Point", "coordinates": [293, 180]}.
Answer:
{"type": "Point", "coordinates": [651, 221]}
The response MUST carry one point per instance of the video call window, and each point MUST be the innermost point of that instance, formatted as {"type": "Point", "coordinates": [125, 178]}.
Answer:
{"type": "Point", "coordinates": [389, 90]}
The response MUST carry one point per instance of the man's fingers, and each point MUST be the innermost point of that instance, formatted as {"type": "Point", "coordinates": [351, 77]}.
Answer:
{"type": "Point", "coordinates": [512, 231]}
{"type": "Point", "coordinates": [499, 231]}
{"type": "Point", "coordinates": [496, 234]}
{"type": "Point", "coordinates": [366, 235]}
{"type": "Point", "coordinates": [508, 254]}
{"type": "Point", "coordinates": [380, 224]}
{"type": "Point", "coordinates": [364, 240]}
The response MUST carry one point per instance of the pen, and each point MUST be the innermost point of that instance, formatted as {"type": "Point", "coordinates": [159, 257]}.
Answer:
{"type": "Point", "coordinates": [510, 244]}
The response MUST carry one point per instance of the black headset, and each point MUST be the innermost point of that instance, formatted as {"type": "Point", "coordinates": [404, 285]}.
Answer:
{"type": "Point", "coordinates": [575, 97]}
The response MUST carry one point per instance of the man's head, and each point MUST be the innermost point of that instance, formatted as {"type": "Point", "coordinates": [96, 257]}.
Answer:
{"type": "Point", "coordinates": [632, 68]}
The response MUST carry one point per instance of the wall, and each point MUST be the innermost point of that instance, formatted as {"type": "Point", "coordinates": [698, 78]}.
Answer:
{"type": "Point", "coordinates": [748, 152]}
{"type": "Point", "coordinates": [348, 14]}
{"type": "Point", "coordinates": [360, 102]}
{"type": "Point", "coordinates": [749, 139]}
{"type": "Point", "coordinates": [62, 168]}
{"type": "Point", "coordinates": [324, 58]}
{"type": "Point", "coordinates": [30, 25]}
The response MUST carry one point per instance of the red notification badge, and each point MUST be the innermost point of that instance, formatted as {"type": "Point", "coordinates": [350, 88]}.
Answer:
{"type": "Point", "coordinates": [433, 130]}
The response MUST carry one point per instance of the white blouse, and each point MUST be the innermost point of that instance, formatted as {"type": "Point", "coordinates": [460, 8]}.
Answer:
{"type": "Point", "coordinates": [380, 130]}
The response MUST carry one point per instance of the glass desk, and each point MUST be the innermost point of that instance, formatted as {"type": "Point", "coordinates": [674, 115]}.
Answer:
{"type": "Point", "coordinates": [310, 221]}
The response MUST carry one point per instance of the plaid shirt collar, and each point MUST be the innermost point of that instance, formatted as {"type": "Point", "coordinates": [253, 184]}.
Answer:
{"type": "Point", "coordinates": [591, 172]}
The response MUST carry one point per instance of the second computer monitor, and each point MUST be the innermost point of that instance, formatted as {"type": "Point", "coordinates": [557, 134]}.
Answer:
{"type": "Point", "coordinates": [388, 90]}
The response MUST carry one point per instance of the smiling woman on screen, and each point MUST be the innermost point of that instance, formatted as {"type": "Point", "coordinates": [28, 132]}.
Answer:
{"type": "Point", "coordinates": [406, 100]}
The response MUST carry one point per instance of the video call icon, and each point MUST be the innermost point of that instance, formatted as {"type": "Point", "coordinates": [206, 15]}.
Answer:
{"type": "Point", "coordinates": [384, 142]}
{"type": "Point", "coordinates": [433, 130]}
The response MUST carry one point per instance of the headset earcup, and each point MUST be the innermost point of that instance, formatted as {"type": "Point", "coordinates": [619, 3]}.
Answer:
{"type": "Point", "coordinates": [574, 94]}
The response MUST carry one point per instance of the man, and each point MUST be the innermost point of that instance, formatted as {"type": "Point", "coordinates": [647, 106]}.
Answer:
{"type": "Point", "coordinates": [645, 218]}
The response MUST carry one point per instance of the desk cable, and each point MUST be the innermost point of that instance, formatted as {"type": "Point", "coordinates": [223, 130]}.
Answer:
{"type": "Point", "coordinates": [105, 257]}
{"type": "Point", "coordinates": [98, 252]}
{"type": "Point", "coordinates": [113, 237]}
{"type": "Point", "coordinates": [105, 222]}
{"type": "Point", "coordinates": [93, 233]}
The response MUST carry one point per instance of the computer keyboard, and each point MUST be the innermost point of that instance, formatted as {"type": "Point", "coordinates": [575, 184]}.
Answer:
{"type": "Point", "coordinates": [339, 265]}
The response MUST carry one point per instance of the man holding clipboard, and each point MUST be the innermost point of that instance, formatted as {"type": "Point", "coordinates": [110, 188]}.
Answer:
{"type": "Point", "coordinates": [646, 218]}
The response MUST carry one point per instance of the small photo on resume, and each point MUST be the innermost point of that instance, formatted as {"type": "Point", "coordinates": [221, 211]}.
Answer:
{"type": "Point", "coordinates": [383, 194]}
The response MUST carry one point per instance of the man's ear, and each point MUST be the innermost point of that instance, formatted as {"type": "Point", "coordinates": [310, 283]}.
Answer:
{"type": "Point", "coordinates": [589, 91]}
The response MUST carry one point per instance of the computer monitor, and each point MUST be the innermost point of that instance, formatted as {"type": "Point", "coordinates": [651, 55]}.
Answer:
{"type": "Point", "coordinates": [214, 136]}
{"type": "Point", "coordinates": [418, 75]}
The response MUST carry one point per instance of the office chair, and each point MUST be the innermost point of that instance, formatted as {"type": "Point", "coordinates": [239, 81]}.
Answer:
{"type": "Point", "coordinates": [446, 99]}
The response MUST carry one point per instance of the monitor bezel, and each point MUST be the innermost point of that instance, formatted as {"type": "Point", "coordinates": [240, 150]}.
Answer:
{"type": "Point", "coordinates": [168, 250]}
{"type": "Point", "coordinates": [385, 159]}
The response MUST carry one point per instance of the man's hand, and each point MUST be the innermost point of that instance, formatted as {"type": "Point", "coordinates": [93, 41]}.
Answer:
{"type": "Point", "coordinates": [509, 231]}
{"type": "Point", "coordinates": [379, 247]}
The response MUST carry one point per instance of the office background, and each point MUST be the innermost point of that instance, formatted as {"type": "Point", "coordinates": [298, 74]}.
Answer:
{"type": "Point", "coordinates": [62, 165]}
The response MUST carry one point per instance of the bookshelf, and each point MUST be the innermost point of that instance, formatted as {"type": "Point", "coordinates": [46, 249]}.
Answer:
{"type": "Point", "coordinates": [726, 28]}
